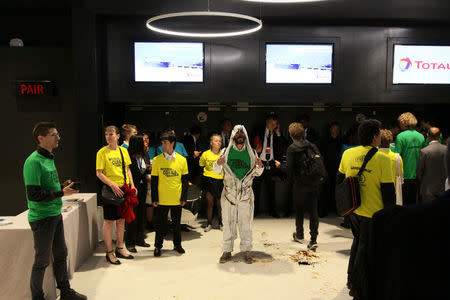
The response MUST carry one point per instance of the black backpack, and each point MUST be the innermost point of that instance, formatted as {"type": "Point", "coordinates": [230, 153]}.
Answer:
{"type": "Point", "coordinates": [311, 169]}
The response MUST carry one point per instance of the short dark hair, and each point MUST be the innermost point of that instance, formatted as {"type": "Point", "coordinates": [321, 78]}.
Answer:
{"type": "Point", "coordinates": [168, 136]}
{"type": "Point", "coordinates": [367, 130]}
{"type": "Point", "coordinates": [273, 117]}
{"type": "Point", "coordinates": [42, 129]}
{"type": "Point", "coordinates": [196, 129]}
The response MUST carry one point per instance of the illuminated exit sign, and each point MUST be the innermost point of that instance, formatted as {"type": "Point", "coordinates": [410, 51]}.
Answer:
{"type": "Point", "coordinates": [31, 88]}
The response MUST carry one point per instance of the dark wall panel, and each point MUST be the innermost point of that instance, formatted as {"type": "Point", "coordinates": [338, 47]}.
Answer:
{"type": "Point", "coordinates": [235, 67]}
{"type": "Point", "coordinates": [19, 115]}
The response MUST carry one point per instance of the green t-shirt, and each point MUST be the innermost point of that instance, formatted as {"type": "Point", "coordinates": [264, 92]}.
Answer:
{"type": "Point", "coordinates": [41, 171]}
{"type": "Point", "coordinates": [408, 145]}
{"type": "Point", "coordinates": [239, 162]}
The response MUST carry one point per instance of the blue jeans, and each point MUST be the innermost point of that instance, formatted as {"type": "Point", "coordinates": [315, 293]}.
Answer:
{"type": "Point", "coordinates": [49, 240]}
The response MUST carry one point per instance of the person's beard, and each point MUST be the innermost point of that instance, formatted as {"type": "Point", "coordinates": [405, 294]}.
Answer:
{"type": "Point", "coordinates": [239, 140]}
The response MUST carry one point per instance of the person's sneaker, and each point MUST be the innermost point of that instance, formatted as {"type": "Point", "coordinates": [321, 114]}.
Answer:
{"type": "Point", "coordinates": [208, 228]}
{"type": "Point", "coordinates": [157, 252]}
{"type": "Point", "coordinates": [298, 238]}
{"type": "Point", "coordinates": [179, 249]}
{"type": "Point", "coordinates": [226, 256]}
{"type": "Point", "coordinates": [312, 245]}
{"type": "Point", "coordinates": [247, 258]}
{"type": "Point", "coordinates": [72, 295]}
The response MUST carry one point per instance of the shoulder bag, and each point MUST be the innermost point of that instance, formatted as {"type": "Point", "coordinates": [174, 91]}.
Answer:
{"type": "Point", "coordinates": [108, 196]}
{"type": "Point", "coordinates": [348, 197]}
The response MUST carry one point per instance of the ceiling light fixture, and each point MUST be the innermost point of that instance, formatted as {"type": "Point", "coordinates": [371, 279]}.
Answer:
{"type": "Point", "coordinates": [257, 23]}
{"type": "Point", "coordinates": [257, 27]}
{"type": "Point", "coordinates": [284, 1]}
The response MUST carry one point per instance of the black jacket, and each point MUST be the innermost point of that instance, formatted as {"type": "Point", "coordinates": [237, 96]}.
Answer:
{"type": "Point", "coordinates": [294, 151]}
{"type": "Point", "coordinates": [409, 251]}
{"type": "Point", "coordinates": [280, 144]}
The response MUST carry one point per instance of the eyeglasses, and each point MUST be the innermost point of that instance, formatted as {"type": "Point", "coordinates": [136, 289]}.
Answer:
{"type": "Point", "coordinates": [55, 135]}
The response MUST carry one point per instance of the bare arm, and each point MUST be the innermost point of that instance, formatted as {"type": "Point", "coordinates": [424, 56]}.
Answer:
{"type": "Point", "coordinates": [114, 187]}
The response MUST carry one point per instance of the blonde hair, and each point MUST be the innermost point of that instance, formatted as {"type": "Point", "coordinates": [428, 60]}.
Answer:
{"type": "Point", "coordinates": [407, 121]}
{"type": "Point", "coordinates": [296, 130]}
{"type": "Point", "coordinates": [127, 129]}
{"type": "Point", "coordinates": [386, 138]}
{"type": "Point", "coordinates": [112, 128]}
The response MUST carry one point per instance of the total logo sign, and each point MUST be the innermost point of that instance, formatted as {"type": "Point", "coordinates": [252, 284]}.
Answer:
{"type": "Point", "coordinates": [406, 64]}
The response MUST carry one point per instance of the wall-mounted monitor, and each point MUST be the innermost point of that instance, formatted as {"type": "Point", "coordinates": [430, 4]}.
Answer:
{"type": "Point", "coordinates": [299, 63]}
{"type": "Point", "coordinates": [168, 62]}
{"type": "Point", "coordinates": [420, 64]}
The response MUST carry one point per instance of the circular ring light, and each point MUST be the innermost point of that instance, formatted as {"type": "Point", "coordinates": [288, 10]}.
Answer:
{"type": "Point", "coordinates": [258, 23]}
{"type": "Point", "coordinates": [284, 1]}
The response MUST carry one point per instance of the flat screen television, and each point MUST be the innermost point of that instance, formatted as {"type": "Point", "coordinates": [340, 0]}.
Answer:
{"type": "Point", "coordinates": [299, 63]}
{"type": "Point", "coordinates": [168, 62]}
{"type": "Point", "coordinates": [420, 64]}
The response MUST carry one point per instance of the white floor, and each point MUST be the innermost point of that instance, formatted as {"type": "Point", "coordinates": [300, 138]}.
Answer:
{"type": "Point", "coordinates": [198, 275]}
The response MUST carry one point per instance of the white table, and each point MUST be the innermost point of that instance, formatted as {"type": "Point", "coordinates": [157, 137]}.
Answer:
{"type": "Point", "coordinates": [17, 248]}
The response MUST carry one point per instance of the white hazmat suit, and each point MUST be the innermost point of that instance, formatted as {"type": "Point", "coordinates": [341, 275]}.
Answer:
{"type": "Point", "coordinates": [237, 198]}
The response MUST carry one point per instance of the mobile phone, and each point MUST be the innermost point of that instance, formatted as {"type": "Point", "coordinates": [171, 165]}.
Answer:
{"type": "Point", "coordinates": [76, 185]}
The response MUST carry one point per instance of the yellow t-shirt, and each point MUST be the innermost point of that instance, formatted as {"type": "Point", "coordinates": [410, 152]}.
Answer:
{"type": "Point", "coordinates": [393, 158]}
{"type": "Point", "coordinates": [110, 162]}
{"type": "Point", "coordinates": [169, 174]}
{"type": "Point", "coordinates": [378, 170]}
{"type": "Point", "coordinates": [207, 160]}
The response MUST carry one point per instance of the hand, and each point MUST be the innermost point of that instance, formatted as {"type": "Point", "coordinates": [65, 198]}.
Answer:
{"type": "Point", "coordinates": [277, 164]}
{"type": "Point", "coordinates": [69, 191]}
{"type": "Point", "coordinates": [259, 163]}
{"type": "Point", "coordinates": [182, 203]}
{"type": "Point", "coordinates": [221, 160]}
{"type": "Point", "coordinates": [258, 148]}
{"type": "Point", "coordinates": [155, 204]}
{"type": "Point", "coordinates": [116, 190]}
{"type": "Point", "coordinates": [197, 153]}
{"type": "Point", "coordinates": [135, 191]}
{"type": "Point", "coordinates": [277, 130]}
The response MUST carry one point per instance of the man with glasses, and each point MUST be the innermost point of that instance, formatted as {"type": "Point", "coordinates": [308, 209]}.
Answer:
{"type": "Point", "coordinates": [43, 191]}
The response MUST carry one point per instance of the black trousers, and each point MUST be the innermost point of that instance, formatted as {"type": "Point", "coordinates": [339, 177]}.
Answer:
{"type": "Point", "coordinates": [305, 199]}
{"type": "Point", "coordinates": [265, 185]}
{"type": "Point", "coordinates": [162, 225]}
{"type": "Point", "coordinates": [135, 230]}
{"type": "Point", "coordinates": [358, 264]}
{"type": "Point", "coordinates": [409, 191]}
{"type": "Point", "coordinates": [49, 240]}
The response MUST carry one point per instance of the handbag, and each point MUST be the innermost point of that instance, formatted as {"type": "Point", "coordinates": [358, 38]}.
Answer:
{"type": "Point", "coordinates": [348, 197]}
{"type": "Point", "coordinates": [108, 196]}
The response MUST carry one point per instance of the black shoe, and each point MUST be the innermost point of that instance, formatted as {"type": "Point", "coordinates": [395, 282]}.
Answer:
{"type": "Point", "coordinates": [345, 225]}
{"type": "Point", "coordinates": [275, 215]}
{"type": "Point", "coordinates": [179, 249]}
{"type": "Point", "coordinates": [157, 252]}
{"type": "Point", "coordinates": [131, 249]}
{"type": "Point", "coordinates": [142, 244]}
{"type": "Point", "coordinates": [119, 255]}
{"type": "Point", "coordinates": [226, 256]}
{"type": "Point", "coordinates": [72, 295]}
{"type": "Point", "coordinates": [117, 262]}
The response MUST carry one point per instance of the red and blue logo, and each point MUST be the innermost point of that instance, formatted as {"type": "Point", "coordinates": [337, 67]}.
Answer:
{"type": "Point", "coordinates": [405, 64]}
